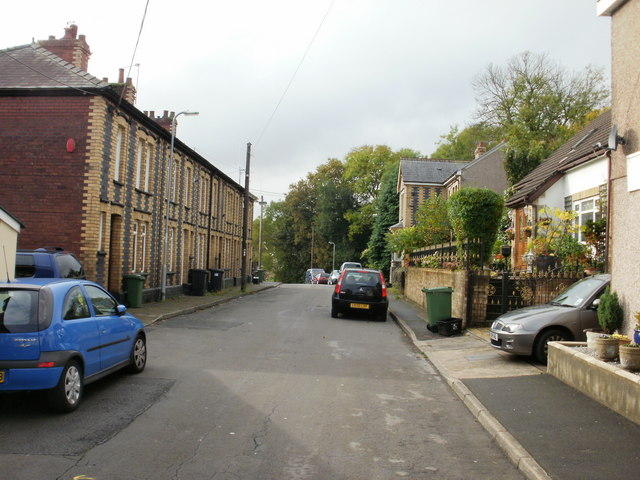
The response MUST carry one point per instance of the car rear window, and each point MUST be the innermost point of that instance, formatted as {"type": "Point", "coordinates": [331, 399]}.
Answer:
{"type": "Point", "coordinates": [368, 279]}
{"type": "Point", "coordinates": [69, 267]}
{"type": "Point", "coordinates": [23, 311]}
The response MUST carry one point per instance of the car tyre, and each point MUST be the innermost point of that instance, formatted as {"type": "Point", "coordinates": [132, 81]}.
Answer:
{"type": "Point", "coordinates": [138, 359]}
{"type": "Point", "coordinates": [541, 346]}
{"type": "Point", "coordinates": [334, 311]}
{"type": "Point", "coordinates": [382, 316]}
{"type": "Point", "coordinates": [66, 396]}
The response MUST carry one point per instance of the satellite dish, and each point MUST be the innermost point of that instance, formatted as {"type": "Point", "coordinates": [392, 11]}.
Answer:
{"type": "Point", "coordinates": [615, 139]}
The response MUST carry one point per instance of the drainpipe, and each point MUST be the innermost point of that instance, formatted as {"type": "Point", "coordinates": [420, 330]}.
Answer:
{"type": "Point", "coordinates": [608, 222]}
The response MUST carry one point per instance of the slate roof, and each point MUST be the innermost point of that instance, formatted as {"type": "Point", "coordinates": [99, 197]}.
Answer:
{"type": "Point", "coordinates": [426, 170]}
{"type": "Point", "coordinates": [31, 66]}
{"type": "Point", "coordinates": [587, 144]}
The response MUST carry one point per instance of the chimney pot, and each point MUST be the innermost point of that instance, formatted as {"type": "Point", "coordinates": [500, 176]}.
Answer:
{"type": "Point", "coordinates": [121, 75]}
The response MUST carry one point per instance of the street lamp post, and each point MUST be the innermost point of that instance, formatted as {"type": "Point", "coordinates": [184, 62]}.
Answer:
{"type": "Point", "coordinates": [169, 180]}
{"type": "Point", "coordinates": [333, 262]}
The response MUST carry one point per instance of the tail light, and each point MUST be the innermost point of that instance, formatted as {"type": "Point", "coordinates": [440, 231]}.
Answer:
{"type": "Point", "coordinates": [339, 284]}
{"type": "Point", "coordinates": [384, 286]}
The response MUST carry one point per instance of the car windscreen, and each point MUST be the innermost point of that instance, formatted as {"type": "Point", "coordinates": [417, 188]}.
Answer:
{"type": "Point", "coordinates": [24, 311]}
{"type": "Point", "coordinates": [577, 293]}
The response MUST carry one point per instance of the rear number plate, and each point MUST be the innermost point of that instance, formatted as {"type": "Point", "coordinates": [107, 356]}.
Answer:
{"type": "Point", "coordinates": [363, 306]}
{"type": "Point", "coordinates": [1, 376]}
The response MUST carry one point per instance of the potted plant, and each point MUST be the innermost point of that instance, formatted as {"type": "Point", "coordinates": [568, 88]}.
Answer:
{"type": "Point", "coordinates": [610, 318]}
{"type": "Point", "coordinates": [630, 356]}
{"type": "Point", "coordinates": [528, 230]}
{"type": "Point", "coordinates": [510, 233]}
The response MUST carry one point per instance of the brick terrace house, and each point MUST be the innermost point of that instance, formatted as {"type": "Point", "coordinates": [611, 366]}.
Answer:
{"type": "Point", "coordinates": [84, 169]}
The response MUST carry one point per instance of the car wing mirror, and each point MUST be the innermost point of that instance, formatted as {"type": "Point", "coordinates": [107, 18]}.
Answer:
{"type": "Point", "coordinates": [121, 309]}
{"type": "Point", "coordinates": [595, 303]}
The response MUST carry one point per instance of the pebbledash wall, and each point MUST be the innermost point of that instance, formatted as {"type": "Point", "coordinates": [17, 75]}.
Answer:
{"type": "Point", "coordinates": [87, 170]}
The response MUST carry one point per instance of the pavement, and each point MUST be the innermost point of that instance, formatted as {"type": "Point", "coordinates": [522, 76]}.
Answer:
{"type": "Point", "coordinates": [546, 428]}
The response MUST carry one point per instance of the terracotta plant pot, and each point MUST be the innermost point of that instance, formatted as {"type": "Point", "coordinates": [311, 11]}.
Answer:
{"type": "Point", "coordinates": [630, 358]}
{"type": "Point", "coordinates": [606, 348]}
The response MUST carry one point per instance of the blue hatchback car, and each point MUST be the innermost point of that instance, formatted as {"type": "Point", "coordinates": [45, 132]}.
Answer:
{"type": "Point", "coordinates": [60, 334]}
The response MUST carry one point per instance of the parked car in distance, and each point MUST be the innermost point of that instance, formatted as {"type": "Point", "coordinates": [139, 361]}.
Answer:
{"type": "Point", "coordinates": [350, 265]}
{"type": "Point", "coordinates": [48, 262]}
{"type": "Point", "coordinates": [360, 291]}
{"type": "Point", "coordinates": [321, 278]}
{"type": "Point", "coordinates": [312, 272]}
{"type": "Point", "coordinates": [527, 331]}
{"type": "Point", "coordinates": [60, 334]}
{"type": "Point", "coordinates": [333, 278]}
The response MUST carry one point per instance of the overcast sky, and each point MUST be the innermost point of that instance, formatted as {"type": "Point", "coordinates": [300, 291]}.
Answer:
{"type": "Point", "coordinates": [394, 72]}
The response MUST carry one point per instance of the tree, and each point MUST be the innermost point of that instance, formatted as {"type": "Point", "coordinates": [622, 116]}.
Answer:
{"type": "Point", "coordinates": [364, 167]}
{"type": "Point", "coordinates": [432, 221]}
{"type": "Point", "coordinates": [461, 144]}
{"type": "Point", "coordinates": [475, 213]}
{"type": "Point", "coordinates": [378, 251]}
{"type": "Point", "coordinates": [538, 105]}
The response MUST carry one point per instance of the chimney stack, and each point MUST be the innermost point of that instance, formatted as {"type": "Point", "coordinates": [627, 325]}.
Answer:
{"type": "Point", "coordinates": [70, 48]}
{"type": "Point", "coordinates": [481, 149]}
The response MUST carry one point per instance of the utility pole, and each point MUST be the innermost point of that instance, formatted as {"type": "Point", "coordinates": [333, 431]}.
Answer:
{"type": "Point", "coordinates": [245, 222]}
{"type": "Point", "coordinates": [312, 238]}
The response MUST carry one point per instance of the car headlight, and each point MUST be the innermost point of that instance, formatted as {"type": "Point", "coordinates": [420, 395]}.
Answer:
{"type": "Point", "coordinates": [512, 327]}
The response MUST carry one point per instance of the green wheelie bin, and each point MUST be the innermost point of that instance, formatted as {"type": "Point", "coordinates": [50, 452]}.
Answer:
{"type": "Point", "coordinates": [438, 305]}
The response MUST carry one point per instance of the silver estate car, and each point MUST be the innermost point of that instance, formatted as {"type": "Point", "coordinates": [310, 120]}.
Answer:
{"type": "Point", "coordinates": [528, 330]}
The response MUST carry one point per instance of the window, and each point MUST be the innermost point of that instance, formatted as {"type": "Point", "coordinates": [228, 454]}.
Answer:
{"type": "Point", "coordinates": [147, 167]}
{"type": "Point", "coordinates": [587, 209]}
{"type": "Point", "coordinates": [119, 150]}
{"type": "Point", "coordinates": [134, 241]}
{"type": "Point", "coordinates": [18, 311]}
{"type": "Point", "coordinates": [143, 246]}
{"type": "Point", "coordinates": [187, 187]}
{"type": "Point", "coordinates": [69, 266]}
{"type": "Point", "coordinates": [139, 242]}
{"type": "Point", "coordinates": [75, 305]}
{"type": "Point", "coordinates": [102, 302]}
{"type": "Point", "coordinates": [171, 248]}
{"type": "Point", "coordinates": [139, 167]}
{"type": "Point", "coordinates": [101, 230]}
{"type": "Point", "coordinates": [174, 181]}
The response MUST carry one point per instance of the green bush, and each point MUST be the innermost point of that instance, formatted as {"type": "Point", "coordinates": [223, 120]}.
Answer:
{"type": "Point", "coordinates": [610, 313]}
{"type": "Point", "coordinates": [475, 214]}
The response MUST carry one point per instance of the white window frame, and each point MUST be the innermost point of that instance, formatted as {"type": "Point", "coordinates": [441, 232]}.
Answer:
{"type": "Point", "coordinates": [135, 245]}
{"type": "Point", "coordinates": [119, 148]}
{"type": "Point", "coordinates": [139, 164]}
{"type": "Point", "coordinates": [147, 167]}
{"type": "Point", "coordinates": [143, 246]}
{"type": "Point", "coordinates": [578, 207]}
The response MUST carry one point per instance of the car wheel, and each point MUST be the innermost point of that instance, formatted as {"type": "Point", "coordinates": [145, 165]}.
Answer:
{"type": "Point", "coordinates": [541, 346]}
{"type": "Point", "coordinates": [334, 312]}
{"type": "Point", "coordinates": [382, 317]}
{"type": "Point", "coordinates": [138, 355]}
{"type": "Point", "coordinates": [65, 397]}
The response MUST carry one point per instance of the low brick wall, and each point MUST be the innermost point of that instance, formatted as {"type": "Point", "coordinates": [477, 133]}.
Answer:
{"type": "Point", "coordinates": [418, 278]}
{"type": "Point", "coordinates": [608, 384]}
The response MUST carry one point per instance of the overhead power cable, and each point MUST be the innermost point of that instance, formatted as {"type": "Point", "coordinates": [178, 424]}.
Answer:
{"type": "Point", "coordinates": [135, 49]}
{"type": "Point", "coordinates": [294, 74]}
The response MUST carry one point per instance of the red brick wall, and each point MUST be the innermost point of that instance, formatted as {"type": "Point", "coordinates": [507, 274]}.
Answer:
{"type": "Point", "coordinates": [40, 182]}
